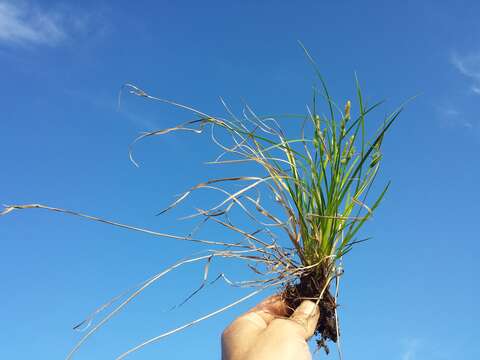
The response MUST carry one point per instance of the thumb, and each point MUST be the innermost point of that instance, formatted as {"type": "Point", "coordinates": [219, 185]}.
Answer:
{"type": "Point", "coordinates": [307, 315]}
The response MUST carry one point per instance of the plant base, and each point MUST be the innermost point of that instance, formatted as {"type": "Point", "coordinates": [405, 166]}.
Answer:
{"type": "Point", "coordinates": [309, 288]}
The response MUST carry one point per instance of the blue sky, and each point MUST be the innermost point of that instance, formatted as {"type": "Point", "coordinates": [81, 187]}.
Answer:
{"type": "Point", "coordinates": [408, 294]}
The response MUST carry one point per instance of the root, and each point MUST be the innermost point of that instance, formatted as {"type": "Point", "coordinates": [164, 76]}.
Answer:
{"type": "Point", "coordinates": [310, 288]}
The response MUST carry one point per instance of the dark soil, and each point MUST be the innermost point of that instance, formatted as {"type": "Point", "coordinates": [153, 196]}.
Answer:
{"type": "Point", "coordinates": [309, 287]}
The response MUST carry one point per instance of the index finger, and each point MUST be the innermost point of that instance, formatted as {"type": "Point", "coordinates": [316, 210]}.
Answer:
{"type": "Point", "coordinates": [267, 310]}
{"type": "Point", "coordinates": [270, 308]}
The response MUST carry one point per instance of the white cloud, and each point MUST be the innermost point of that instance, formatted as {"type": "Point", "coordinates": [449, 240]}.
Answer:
{"type": "Point", "coordinates": [411, 348]}
{"type": "Point", "coordinates": [409, 354]}
{"type": "Point", "coordinates": [22, 23]}
{"type": "Point", "coordinates": [452, 117]}
{"type": "Point", "coordinates": [450, 112]}
{"type": "Point", "coordinates": [469, 65]}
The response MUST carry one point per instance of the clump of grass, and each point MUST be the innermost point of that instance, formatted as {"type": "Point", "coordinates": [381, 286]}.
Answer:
{"type": "Point", "coordinates": [319, 181]}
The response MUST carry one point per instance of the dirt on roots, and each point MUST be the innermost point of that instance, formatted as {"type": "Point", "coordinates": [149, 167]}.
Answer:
{"type": "Point", "coordinates": [309, 287]}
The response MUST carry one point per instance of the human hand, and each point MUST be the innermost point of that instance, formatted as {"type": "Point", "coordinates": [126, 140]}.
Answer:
{"type": "Point", "coordinates": [267, 333]}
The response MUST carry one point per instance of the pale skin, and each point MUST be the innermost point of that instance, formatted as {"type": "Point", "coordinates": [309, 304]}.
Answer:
{"type": "Point", "coordinates": [266, 332]}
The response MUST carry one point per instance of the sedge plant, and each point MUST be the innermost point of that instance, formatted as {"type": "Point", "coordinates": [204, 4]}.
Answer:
{"type": "Point", "coordinates": [319, 181]}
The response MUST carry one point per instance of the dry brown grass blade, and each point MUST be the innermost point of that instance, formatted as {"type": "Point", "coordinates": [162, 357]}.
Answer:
{"type": "Point", "coordinates": [208, 183]}
{"type": "Point", "coordinates": [217, 212]}
{"type": "Point", "coordinates": [139, 92]}
{"type": "Point", "coordinates": [152, 280]}
{"type": "Point", "coordinates": [85, 324]}
{"type": "Point", "coordinates": [180, 328]}
{"type": "Point", "coordinates": [205, 317]}
{"type": "Point", "coordinates": [181, 127]}
{"type": "Point", "coordinates": [9, 208]}
{"type": "Point", "coordinates": [129, 299]}
{"type": "Point", "coordinates": [240, 284]}
{"type": "Point", "coordinates": [337, 290]}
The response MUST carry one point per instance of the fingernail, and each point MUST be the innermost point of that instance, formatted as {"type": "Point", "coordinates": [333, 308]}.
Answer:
{"type": "Point", "coordinates": [307, 307]}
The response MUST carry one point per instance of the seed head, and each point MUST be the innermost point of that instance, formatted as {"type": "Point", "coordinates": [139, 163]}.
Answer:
{"type": "Point", "coordinates": [347, 110]}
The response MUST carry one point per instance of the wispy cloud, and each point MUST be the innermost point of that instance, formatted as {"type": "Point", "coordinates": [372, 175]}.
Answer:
{"type": "Point", "coordinates": [452, 117]}
{"type": "Point", "coordinates": [411, 348]}
{"type": "Point", "coordinates": [23, 23]}
{"type": "Point", "coordinates": [469, 65]}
